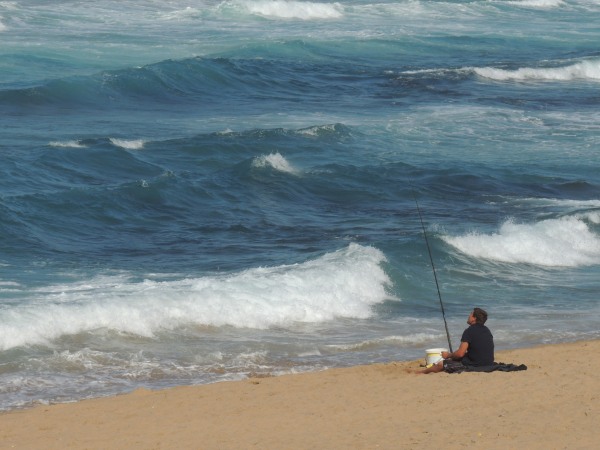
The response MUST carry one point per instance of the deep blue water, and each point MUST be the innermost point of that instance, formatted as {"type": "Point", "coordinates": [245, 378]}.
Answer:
{"type": "Point", "coordinates": [195, 191]}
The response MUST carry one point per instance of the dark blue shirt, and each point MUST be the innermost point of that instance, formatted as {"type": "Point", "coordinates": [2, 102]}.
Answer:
{"type": "Point", "coordinates": [481, 346]}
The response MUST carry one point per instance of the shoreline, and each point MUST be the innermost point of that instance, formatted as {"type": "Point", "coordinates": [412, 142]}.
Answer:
{"type": "Point", "coordinates": [553, 404]}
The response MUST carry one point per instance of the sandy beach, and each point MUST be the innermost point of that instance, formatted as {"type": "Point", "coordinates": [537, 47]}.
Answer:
{"type": "Point", "coordinates": [552, 405]}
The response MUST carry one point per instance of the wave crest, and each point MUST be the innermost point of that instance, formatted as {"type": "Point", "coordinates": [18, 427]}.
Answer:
{"type": "Point", "coordinates": [128, 144]}
{"type": "Point", "coordinates": [543, 4]}
{"type": "Point", "coordinates": [584, 70]}
{"type": "Point", "coordinates": [275, 161]}
{"type": "Point", "coordinates": [342, 284]}
{"type": "Point", "coordinates": [563, 242]}
{"type": "Point", "coordinates": [288, 9]}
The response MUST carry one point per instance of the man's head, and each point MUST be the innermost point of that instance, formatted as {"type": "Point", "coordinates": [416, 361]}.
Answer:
{"type": "Point", "coordinates": [478, 316]}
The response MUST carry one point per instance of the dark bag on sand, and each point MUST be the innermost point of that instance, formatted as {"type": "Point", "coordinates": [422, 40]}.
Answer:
{"type": "Point", "coordinates": [458, 367]}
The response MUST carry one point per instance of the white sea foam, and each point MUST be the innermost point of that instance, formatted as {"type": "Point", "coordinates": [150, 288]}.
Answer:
{"type": "Point", "coordinates": [317, 130]}
{"type": "Point", "coordinates": [129, 144]}
{"type": "Point", "coordinates": [187, 12]}
{"type": "Point", "coordinates": [542, 4]}
{"type": "Point", "coordinates": [572, 207]}
{"type": "Point", "coordinates": [345, 283]}
{"type": "Point", "coordinates": [563, 242]}
{"type": "Point", "coordinates": [563, 202]}
{"type": "Point", "coordinates": [288, 9]}
{"type": "Point", "coordinates": [584, 70]}
{"type": "Point", "coordinates": [593, 216]}
{"type": "Point", "coordinates": [67, 144]}
{"type": "Point", "coordinates": [413, 339]}
{"type": "Point", "coordinates": [10, 286]}
{"type": "Point", "coordinates": [8, 6]}
{"type": "Point", "coordinates": [274, 160]}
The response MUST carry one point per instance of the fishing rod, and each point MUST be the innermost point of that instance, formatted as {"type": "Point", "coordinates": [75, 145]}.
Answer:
{"type": "Point", "coordinates": [433, 268]}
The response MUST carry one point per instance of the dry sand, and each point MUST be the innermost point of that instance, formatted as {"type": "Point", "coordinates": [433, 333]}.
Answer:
{"type": "Point", "coordinates": [552, 405]}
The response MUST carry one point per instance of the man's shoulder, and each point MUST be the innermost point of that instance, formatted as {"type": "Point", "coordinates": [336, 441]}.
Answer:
{"type": "Point", "coordinates": [475, 329]}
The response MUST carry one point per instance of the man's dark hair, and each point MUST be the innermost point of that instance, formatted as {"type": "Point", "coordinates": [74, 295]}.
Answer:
{"type": "Point", "coordinates": [480, 315]}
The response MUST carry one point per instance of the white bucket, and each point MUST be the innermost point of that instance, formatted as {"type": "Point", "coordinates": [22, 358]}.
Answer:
{"type": "Point", "coordinates": [433, 356]}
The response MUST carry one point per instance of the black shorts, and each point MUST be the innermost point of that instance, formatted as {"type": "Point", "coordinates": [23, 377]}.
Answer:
{"type": "Point", "coordinates": [451, 366]}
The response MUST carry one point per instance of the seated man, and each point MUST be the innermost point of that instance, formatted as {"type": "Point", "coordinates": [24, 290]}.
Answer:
{"type": "Point", "coordinates": [476, 347]}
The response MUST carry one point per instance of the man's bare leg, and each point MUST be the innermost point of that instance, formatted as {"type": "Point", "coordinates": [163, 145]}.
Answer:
{"type": "Point", "coordinates": [438, 367]}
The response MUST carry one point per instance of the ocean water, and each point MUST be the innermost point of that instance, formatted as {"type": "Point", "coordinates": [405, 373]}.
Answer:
{"type": "Point", "coordinates": [202, 190]}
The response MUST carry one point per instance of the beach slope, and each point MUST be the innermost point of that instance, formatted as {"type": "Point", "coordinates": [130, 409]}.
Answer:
{"type": "Point", "coordinates": [554, 404]}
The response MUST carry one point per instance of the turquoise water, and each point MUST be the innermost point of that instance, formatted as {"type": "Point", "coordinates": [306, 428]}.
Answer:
{"type": "Point", "coordinates": [196, 191]}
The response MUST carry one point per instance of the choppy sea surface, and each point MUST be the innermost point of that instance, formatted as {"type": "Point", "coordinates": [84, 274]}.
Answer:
{"type": "Point", "coordinates": [194, 191]}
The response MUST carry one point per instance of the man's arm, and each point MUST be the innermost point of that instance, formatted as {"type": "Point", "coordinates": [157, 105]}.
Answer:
{"type": "Point", "coordinates": [458, 354]}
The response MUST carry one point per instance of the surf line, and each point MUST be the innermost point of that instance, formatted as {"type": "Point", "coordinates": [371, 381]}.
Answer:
{"type": "Point", "coordinates": [432, 267]}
